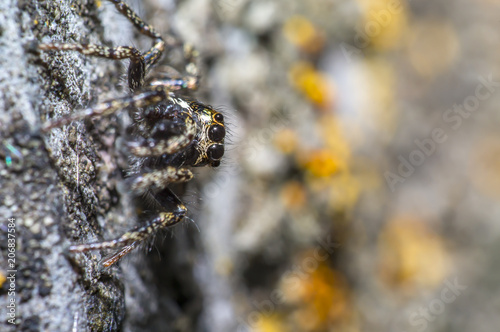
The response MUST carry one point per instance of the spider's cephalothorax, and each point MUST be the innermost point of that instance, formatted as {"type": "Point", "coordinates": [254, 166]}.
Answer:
{"type": "Point", "coordinates": [209, 143]}
{"type": "Point", "coordinates": [169, 133]}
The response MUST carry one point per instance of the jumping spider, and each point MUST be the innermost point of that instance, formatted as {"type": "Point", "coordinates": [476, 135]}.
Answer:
{"type": "Point", "coordinates": [170, 133]}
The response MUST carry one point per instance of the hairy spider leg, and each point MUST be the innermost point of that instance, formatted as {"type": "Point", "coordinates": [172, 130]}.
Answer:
{"type": "Point", "coordinates": [133, 237]}
{"type": "Point", "coordinates": [154, 54]}
{"type": "Point", "coordinates": [174, 82]}
{"type": "Point", "coordinates": [166, 144]}
{"type": "Point", "coordinates": [115, 257]}
{"type": "Point", "coordinates": [136, 70]}
{"type": "Point", "coordinates": [146, 148]}
{"type": "Point", "coordinates": [158, 179]}
{"type": "Point", "coordinates": [143, 99]}
{"type": "Point", "coordinates": [139, 62]}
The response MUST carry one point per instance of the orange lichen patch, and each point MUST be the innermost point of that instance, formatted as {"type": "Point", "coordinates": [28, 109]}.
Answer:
{"type": "Point", "coordinates": [299, 31]}
{"type": "Point", "coordinates": [2, 279]}
{"type": "Point", "coordinates": [423, 41]}
{"type": "Point", "coordinates": [321, 163]}
{"type": "Point", "coordinates": [331, 159]}
{"type": "Point", "coordinates": [313, 84]}
{"type": "Point", "coordinates": [334, 139]}
{"type": "Point", "coordinates": [286, 141]}
{"type": "Point", "coordinates": [293, 195]}
{"type": "Point", "coordinates": [411, 256]}
{"type": "Point", "coordinates": [269, 323]}
{"type": "Point", "coordinates": [384, 23]}
{"type": "Point", "coordinates": [320, 297]}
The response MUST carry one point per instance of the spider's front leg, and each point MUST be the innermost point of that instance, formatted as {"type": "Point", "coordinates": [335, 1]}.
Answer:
{"type": "Point", "coordinates": [167, 136]}
{"type": "Point", "coordinates": [171, 80]}
{"type": "Point", "coordinates": [137, 67]}
{"type": "Point", "coordinates": [165, 218]}
{"type": "Point", "coordinates": [139, 62]}
{"type": "Point", "coordinates": [139, 100]}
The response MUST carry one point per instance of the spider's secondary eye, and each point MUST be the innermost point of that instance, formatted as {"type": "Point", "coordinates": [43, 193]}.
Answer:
{"type": "Point", "coordinates": [215, 151]}
{"type": "Point", "coordinates": [216, 133]}
{"type": "Point", "coordinates": [219, 118]}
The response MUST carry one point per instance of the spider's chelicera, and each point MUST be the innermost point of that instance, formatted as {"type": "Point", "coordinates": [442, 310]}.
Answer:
{"type": "Point", "coordinates": [170, 133]}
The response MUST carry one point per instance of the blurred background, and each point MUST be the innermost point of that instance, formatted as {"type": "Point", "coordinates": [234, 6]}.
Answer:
{"type": "Point", "coordinates": [360, 189]}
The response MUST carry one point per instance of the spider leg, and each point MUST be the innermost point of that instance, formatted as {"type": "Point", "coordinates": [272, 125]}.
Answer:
{"type": "Point", "coordinates": [143, 99]}
{"type": "Point", "coordinates": [159, 179]}
{"type": "Point", "coordinates": [115, 257]}
{"type": "Point", "coordinates": [168, 78]}
{"type": "Point", "coordinates": [131, 239]}
{"type": "Point", "coordinates": [165, 143]}
{"type": "Point", "coordinates": [139, 62]}
{"type": "Point", "coordinates": [174, 84]}
{"type": "Point", "coordinates": [154, 54]}
{"type": "Point", "coordinates": [136, 70]}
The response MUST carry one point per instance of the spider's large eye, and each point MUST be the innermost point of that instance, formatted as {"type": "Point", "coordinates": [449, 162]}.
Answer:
{"type": "Point", "coordinates": [216, 133]}
{"type": "Point", "coordinates": [219, 118]}
{"type": "Point", "coordinates": [215, 151]}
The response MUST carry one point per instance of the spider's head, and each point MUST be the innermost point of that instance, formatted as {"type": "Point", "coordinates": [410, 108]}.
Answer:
{"type": "Point", "coordinates": [210, 138]}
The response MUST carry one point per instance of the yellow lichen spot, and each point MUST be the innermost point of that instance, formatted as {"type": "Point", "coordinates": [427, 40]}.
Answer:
{"type": "Point", "coordinates": [286, 141]}
{"type": "Point", "coordinates": [334, 139]}
{"type": "Point", "coordinates": [299, 31]}
{"type": "Point", "coordinates": [321, 299]}
{"type": "Point", "coordinates": [432, 47]}
{"type": "Point", "coordinates": [313, 84]}
{"type": "Point", "coordinates": [269, 323]}
{"type": "Point", "coordinates": [98, 3]}
{"type": "Point", "coordinates": [384, 23]}
{"type": "Point", "coordinates": [35, 22]}
{"type": "Point", "coordinates": [3, 279]}
{"type": "Point", "coordinates": [321, 163]}
{"type": "Point", "coordinates": [411, 256]}
{"type": "Point", "coordinates": [293, 195]}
